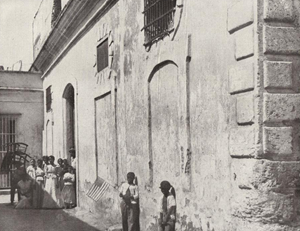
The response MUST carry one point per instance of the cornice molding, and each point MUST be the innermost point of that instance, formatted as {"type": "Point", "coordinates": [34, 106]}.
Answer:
{"type": "Point", "coordinates": [66, 32]}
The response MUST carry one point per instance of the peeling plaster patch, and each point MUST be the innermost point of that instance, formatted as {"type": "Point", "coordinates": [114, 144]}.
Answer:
{"type": "Point", "coordinates": [187, 202]}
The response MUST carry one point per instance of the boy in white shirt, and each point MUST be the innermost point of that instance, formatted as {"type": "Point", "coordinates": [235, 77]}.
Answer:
{"type": "Point", "coordinates": [129, 192]}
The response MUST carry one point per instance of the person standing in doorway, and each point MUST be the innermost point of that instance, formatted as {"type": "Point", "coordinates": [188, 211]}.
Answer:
{"type": "Point", "coordinates": [129, 193]}
{"type": "Point", "coordinates": [68, 192]}
{"type": "Point", "coordinates": [73, 158]}
{"type": "Point", "coordinates": [167, 207]}
{"type": "Point", "coordinates": [72, 152]}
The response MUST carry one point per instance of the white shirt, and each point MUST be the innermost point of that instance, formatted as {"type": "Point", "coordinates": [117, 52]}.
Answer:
{"type": "Point", "coordinates": [134, 191]}
{"type": "Point", "coordinates": [170, 202]}
{"type": "Point", "coordinates": [73, 163]}
{"type": "Point", "coordinates": [69, 178]}
{"type": "Point", "coordinates": [31, 171]}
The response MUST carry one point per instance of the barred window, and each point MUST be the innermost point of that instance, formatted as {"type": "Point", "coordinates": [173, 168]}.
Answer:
{"type": "Point", "coordinates": [48, 98]}
{"type": "Point", "coordinates": [102, 55]}
{"type": "Point", "coordinates": [158, 19]}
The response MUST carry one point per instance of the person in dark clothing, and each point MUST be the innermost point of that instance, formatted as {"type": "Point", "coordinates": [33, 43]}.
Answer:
{"type": "Point", "coordinates": [17, 172]}
{"type": "Point", "coordinates": [129, 193]}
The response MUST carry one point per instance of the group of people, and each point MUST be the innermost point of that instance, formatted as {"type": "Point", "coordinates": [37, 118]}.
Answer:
{"type": "Point", "coordinates": [47, 185]}
{"type": "Point", "coordinates": [130, 205]}
{"type": "Point", "coordinates": [44, 184]}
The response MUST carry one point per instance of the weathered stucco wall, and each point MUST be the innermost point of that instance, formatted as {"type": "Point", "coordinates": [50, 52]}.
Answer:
{"type": "Point", "coordinates": [41, 26]}
{"type": "Point", "coordinates": [21, 94]}
{"type": "Point", "coordinates": [199, 108]}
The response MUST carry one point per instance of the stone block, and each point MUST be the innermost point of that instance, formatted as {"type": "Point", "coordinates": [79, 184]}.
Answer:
{"type": "Point", "coordinates": [277, 176]}
{"type": "Point", "coordinates": [265, 207]}
{"type": "Point", "coordinates": [239, 15]}
{"type": "Point", "coordinates": [281, 107]}
{"type": "Point", "coordinates": [242, 141]}
{"type": "Point", "coordinates": [264, 191]}
{"type": "Point", "coordinates": [241, 76]}
{"type": "Point", "coordinates": [278, 74]}
{"type": "Point", "coordinates": [265, 175]}
{"type": "Point", "coordinates": [281, 40]}
{"type": "Point", "coordinates": [244, 43]}
{"type": "Point", "coordinates": [245, 108]}
{"type": "Point", "coordinates": [278, 140]}
{"type": "Point", "coordinates": [279, 10]}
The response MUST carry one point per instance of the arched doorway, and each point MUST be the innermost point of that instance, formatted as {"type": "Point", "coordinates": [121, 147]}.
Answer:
{"type": "Point", "coordinates": [69, 119]}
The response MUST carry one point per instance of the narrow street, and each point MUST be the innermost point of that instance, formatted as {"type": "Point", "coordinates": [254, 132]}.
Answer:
{"type": "Point", "coordinates": [44, 220]}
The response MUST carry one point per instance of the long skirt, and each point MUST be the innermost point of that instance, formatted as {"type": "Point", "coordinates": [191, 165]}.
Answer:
{"type": "Point", "coordinates": [130, 216]}
{"type": "Point", "coordinates": [39, 192]}
{"type": "Point", "coordinates": [68, 194]}
{"type": "Point", "coordinates": [50, 200]}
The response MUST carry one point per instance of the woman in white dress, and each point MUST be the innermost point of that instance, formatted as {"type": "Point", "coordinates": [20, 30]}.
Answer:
{"type": "Point", "coordinates": [31, 171]}
{"type": "Point", "coordinates": [40, 174]}
{"type": "Point", "coordinates": [50, 199]}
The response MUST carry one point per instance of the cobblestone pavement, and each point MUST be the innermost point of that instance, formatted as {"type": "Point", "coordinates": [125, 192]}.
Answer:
{"type": "Point", "coordinates": [45, 220]}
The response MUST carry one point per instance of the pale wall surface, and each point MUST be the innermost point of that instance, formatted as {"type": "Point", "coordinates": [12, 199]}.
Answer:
{"type": "Point", "coordinates": [21, 93]}
{"type": "Point", "coordinates": [221, 185]}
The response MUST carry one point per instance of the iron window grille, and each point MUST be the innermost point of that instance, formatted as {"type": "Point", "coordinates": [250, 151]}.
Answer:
{"type": "Point", "coordinates": [102, 55]}
{"type": "Point", "coordinates": [48, 98]}
{"type": "Point", "coordinates": [158, 19]}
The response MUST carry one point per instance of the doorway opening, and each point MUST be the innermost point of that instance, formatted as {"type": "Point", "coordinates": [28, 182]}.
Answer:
{"type": "Point", "coordinates": [69, 120]}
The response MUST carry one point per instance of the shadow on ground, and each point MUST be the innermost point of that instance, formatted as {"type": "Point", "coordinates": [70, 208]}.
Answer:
{"type": "Point", "coordinates": [45, 219]}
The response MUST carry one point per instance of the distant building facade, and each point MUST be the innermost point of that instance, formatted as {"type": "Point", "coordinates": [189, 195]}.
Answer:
{"type": "Point", "coordinates": [21, 114]}
{"type": "Point", "coordinates": [204, 94]}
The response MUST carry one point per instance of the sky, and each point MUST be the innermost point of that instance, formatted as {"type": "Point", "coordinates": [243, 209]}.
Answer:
{"type": "Point", "coordinates": [16, 17]}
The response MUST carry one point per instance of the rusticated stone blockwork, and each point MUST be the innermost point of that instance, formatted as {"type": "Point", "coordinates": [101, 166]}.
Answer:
{"type": "Point", "coordinates": [245, 108]}
{"type": "Point", "coordinates": [240, 15]}
{"type": "Point", "coordinates": [279, 10]}
{"type": "Point", "coordinates": [278, 74]}
{"type": "Point", "coordinates": [242, 141]}
{"type": "Point", "coordinates": [241, 76]}
{"type": "Point", "coordinates": [281, 40]}
{"type": "Point", "coordinates": [244, 43]}
{"type": "Point", "coordinates": [278, 140]}
{"type": "Point", "coordinates": [263, 191]}
{"type": "Point", "coordinates": [281, 107]}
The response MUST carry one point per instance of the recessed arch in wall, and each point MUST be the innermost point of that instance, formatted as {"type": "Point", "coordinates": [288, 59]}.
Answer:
{"type": "Point", "coordinates": [164, 123]}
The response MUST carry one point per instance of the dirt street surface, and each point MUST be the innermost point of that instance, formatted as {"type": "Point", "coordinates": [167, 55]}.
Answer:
{"type": "Point", "coordinates": [45, 220]}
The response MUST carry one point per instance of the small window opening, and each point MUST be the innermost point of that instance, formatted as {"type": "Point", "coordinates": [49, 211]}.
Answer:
{"type": "Point", "coordinates": [48, 98]}
{"type": "Point", "coordinates": [158, 19]}
{"type": "Point", "coordinates": [102, 55]}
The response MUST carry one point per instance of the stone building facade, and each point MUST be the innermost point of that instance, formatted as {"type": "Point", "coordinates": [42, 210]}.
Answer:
{"type": "Point", "coordinates": [21, 99]}
{"type": "Point", "coordinates": [211, 104]}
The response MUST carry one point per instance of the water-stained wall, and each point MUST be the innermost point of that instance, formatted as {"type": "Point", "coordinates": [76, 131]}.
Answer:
{"type": "Point", "coordinates": [191, 109]}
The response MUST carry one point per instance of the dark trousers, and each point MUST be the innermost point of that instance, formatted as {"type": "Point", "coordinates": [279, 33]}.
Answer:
{"type": "Point", "coordinates": [13, 191]}
{"type": "Point", "coordinates": [130, 217]}
{"type": "Point", "coordinates": [169, 227]}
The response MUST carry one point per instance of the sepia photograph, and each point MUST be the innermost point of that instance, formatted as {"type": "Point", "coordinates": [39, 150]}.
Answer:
{"type": "Point", "coordinates": [149, 115]}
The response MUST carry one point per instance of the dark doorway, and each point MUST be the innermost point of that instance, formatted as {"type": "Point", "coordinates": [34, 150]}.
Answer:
{"type": "Point", "coordinates": [69, 120]}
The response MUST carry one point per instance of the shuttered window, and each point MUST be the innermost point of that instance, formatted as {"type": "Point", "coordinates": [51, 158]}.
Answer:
{"type": "Point", "coordinates": [102, 55]}
{"type": "Point", "coordinates": [158, 19]}
{"type": "Point", "coordinates": [48, 98]}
